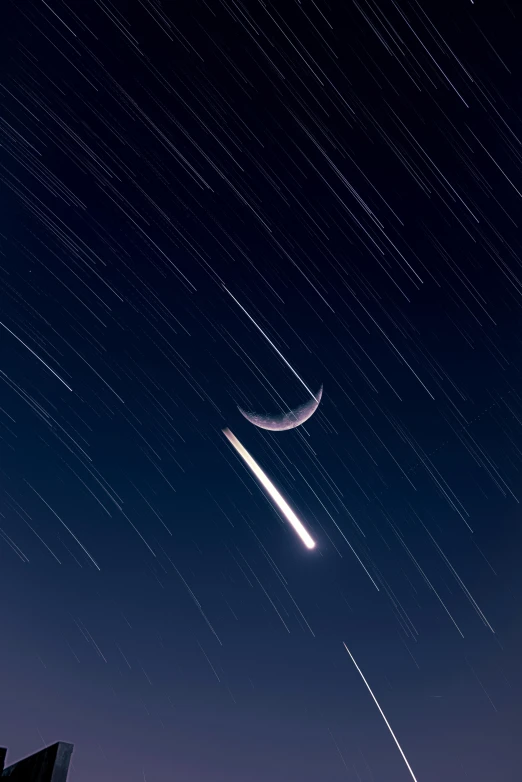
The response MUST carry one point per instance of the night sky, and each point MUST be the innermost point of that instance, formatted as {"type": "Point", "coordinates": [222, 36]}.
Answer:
{"type": "Point", "coordinates": [208, 204]}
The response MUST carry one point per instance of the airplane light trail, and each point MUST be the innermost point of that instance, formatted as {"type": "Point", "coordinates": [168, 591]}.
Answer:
{"type": "Point", "coordinates": [382, 715]}
{"type": "Point", "coordinates": [271, 490]}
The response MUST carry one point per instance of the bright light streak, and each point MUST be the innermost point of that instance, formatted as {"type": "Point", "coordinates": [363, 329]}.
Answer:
{"type": "Point", "coordinates": [382, 715]}
{"type": "Point", "coordinates": [271, 490]}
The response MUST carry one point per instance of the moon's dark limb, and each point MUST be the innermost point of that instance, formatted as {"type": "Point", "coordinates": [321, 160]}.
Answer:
{"type": "Point", "coordinates": [290, 420]}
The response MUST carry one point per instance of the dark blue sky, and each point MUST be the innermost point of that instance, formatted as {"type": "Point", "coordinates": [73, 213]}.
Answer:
{"type": "Point", "coordinates": [352, 174]}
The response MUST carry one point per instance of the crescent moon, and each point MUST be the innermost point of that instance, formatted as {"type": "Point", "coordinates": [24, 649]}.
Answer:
{"type": "Point", "coordinates": [290, 420]}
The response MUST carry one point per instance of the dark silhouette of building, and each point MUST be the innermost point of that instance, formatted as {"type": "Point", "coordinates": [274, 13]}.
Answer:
{"type": "Point", "coordinates": [48, 765]}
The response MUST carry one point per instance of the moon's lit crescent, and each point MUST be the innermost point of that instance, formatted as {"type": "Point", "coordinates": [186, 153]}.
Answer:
{"type": "Point", "coordinates": [290, 420]}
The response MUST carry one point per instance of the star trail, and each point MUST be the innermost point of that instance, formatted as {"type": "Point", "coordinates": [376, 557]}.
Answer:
{"type": "Point", "coordinates": [217, 206]}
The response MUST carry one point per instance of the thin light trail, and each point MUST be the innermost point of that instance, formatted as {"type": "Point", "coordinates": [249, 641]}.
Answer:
{"type": "Point", "coordinates": [37, 356]}
{"type": "Point", "coordinates": [271, 490]}
{"type": "Point", "coordinates": [258, 327]}
{"type": "Point", "coordinates": [382, 715]}
{"type": "Point", "coordinates": [71, 533]}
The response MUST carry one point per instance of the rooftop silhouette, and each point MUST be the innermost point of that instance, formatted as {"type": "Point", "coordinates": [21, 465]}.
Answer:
{"type": "Point", "coordinates": [50, 764]}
